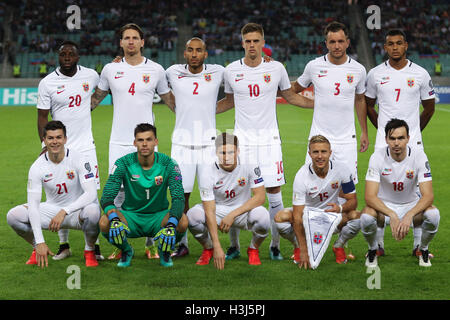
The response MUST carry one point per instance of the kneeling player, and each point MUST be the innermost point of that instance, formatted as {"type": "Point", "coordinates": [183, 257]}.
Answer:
{"type": "Point", "coordinates": [228, 203]}
{"type": "Point", "coordinates": [145, 176]}
{"type": "Point", "coordinates": [391, 196]}
{"type": "Point", "coordinates": [71, 193]}
{"type": "Point", "coordinates": [317, 186]}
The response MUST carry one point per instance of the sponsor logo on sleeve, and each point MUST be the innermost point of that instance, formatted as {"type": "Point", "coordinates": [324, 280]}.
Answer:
{"type": "Point", "coordinates": [89, 175]}
{"type": "Point", "coordinates": [259, 180]}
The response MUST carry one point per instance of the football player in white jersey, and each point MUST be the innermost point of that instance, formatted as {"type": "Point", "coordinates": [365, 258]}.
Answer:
{"type": "Point", "coordinates": [66, 95]}
{"type": "Point", "coordinates": [390, 194]}
{"type": "Point", "coordinates": [399, 86]}
{"type": "Point", "coordinates": [339, 86]}
{"type": "Point", "coordinates": [251, 86]}
{"type": "Point", "coordinates": [227, 202]}
{"type": "Point", "coordinates": [71, 198]}
{"type": "Point", "coordinates": [318, 185]}
{"type": "Point", "coordinates": [195, 86]}
{"type": "Point", "coordinates": [133, 83]}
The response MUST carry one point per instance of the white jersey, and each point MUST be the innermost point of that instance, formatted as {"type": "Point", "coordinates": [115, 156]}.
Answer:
{"type": "Point", "coordinates": [132, 89]}
{"type": "Point", "coordinates": [69, 101]}
{"type": "Point", "coordinates": [196, 101]}
{"type": "Point", "coordinates": [255, 93]}
{"type": "Point", "coordinates": [398, 180]}
{"type": "Point", "coordinates": [399, 94]}
{"type": "Point", "coordinates": [335, 87]}
{"type": "Point", "coordinates": [62, 183]}
{"type": "Point", "coordinates": [316, 192]}
{"type": "Point", "coordinates": [231, 189]}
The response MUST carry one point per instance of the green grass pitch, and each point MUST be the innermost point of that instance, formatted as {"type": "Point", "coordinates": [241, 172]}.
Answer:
{"type": "Point", "coordinates": [401, 277]}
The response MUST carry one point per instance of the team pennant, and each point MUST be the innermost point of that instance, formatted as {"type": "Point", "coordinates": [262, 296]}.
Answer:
{"type": "Point", "coordinates": [319, 226]}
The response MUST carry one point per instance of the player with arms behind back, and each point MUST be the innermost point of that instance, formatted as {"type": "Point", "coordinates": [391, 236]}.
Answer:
{"type": "Point", "coordinates": [195, 86]}
{"type": "Point", "coordinates": [66, 95]}
{"type": "Point", "coordinates": [71, 198]}
{"type": "Point", "coordinates": [251, 86]}
{"type": "Point", "coordinates": [133, 83]}
{"type": "Point", "coordinates": [339, 86]}
{"type": "Point", "coordinates": [318, 185]}
{"type": "Point", "coordinates": [391, 197]}
{"type": "Point", "coordinates": [399, 86]}
{"type": "Point", "coordinates": [228, 203]}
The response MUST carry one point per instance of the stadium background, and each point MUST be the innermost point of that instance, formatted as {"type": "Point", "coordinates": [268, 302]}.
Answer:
{"type": "Point", "coordinates": [30, 32]}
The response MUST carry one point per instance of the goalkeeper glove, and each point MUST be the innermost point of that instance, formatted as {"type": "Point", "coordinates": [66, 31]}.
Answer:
{"type": "Point", "coordinates": [117, 229]}
{"type": "Point", "coordinates": [167, 236]}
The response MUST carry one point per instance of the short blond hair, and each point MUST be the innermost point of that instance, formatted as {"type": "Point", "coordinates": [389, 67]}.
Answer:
{"type": "Point", "coordinates": [318, 139]}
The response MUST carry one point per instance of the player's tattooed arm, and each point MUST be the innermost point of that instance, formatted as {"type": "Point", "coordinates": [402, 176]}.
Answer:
{"type": "Point", "coordinates": [42, 120]}
{"type": "Point", "coordinates": [225, 104]}
{"type": "Point", "coordinates": [169, 99]}
{"type": "Point", "coordinates": [371, 112]}
{"type": "Point", "coordinates": [296, 99]}
{"type": "Point", "coordinates": [97, 97]}
{"type": "Point", "coordinates": [427, 113]}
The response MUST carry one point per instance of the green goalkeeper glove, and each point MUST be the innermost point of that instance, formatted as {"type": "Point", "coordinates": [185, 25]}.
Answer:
{"type": "Point", "coordinates": [167, 235]}
{"type": "Point", "coordinates": [117, 229]}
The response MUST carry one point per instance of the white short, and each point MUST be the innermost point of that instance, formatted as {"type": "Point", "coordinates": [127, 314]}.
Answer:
{"type": "Point", "coordinates": [240, 222]}
{"type": "Point", "coordinates": [91, 155]}
{"type": "Point", "coordinates": [346, 153]}
{"type": "Point", "coordinates": [48, 211]}
{"type": "Point", "coordinates": [400, 209]}
{"type": "Point", "coordinates": [117, 151]}
{"type": "Point", "coordinates": [193, 160]}
{"type": "Point", "coordinates": [269, 158]}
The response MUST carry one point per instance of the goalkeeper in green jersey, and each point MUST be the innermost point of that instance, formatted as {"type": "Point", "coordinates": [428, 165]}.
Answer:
{"type": "Point", "coordinates": [145, 176]}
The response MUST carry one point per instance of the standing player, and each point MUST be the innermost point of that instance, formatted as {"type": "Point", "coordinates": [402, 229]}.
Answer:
{"type": "Point", "coordinates": [399, 86]}
{"type": "Point", "coordinates": [339, 85]}
{"type": "Point", "coordinates": [195, 86]}
{"type": "Point", "coordinates": [133, 83]}
{"type": "Point", "coordinates": [252, 85]}
{"type": "Point", "coordinates": [71, 197]}
{"type": "Point", "coordinates": [228, 203]}
{"type": "Point", "coordinates": [318, 185]}
{"type": "Point", "coordinates": [391, 197]}
{"type": "Point", "coordinates": [66, 95]}
{"type": "Point", "coordinates": [145, 175]}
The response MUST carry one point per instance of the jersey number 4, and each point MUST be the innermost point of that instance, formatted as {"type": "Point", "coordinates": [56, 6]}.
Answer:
{"type": "Point", "coordinates": [131, 90]}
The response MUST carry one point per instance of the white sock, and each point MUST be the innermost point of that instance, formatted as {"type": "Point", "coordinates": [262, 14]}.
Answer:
{"type": "Point", "coordinates": [430, 226]}
{"type": "Point", "coordinates": [380, 236]}
{"type": "Point", "coordinates": [90, 215]}
{"type": "Point", "coordinates": [184, 240]}
{"type": "Point", "coordinates": [349, 231]}
{"type": "Point", "coordinates": [417, 233]}
{"type": "Point", "coordinates": [63, 235]}
{"type": "Point", "coordinates": [275, 205]}
{"type": "Point", "coordinates": [234, 237]}
{"type": "Point", "coordinates": [369, 230]}
{"type": "Point", "coordinates": [286, 230]}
